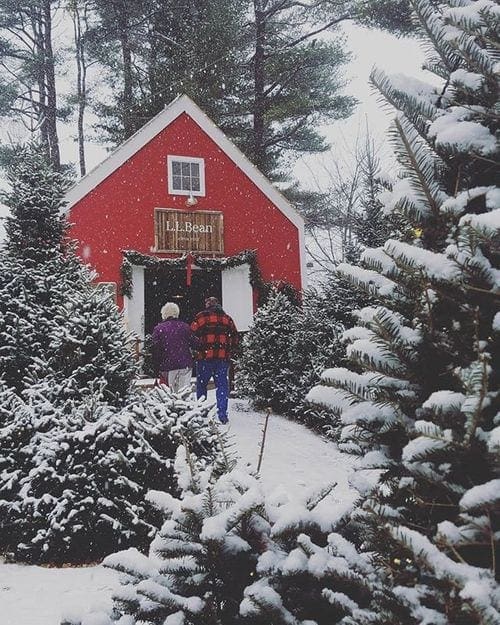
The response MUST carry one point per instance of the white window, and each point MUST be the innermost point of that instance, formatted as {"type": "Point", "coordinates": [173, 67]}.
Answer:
{"type": "Point", "coordinates": [186, 175]}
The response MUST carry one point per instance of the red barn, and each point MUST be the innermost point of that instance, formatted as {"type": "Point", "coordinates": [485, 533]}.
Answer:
{"type": "Point", "coordinates": [178, 212]}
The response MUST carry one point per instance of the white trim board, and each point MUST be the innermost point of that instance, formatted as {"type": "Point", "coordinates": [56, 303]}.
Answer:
{"type": "Point", "coordinates": [182, 104]}
{"type": "Point", "coordinates": [237, 295]}
{"type": "Point", "coordinates": [134, 305]}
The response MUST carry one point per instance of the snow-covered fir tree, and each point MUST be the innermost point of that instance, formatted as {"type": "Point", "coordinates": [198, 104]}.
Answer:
{"type": "Point", "coordinates": [89, 345]}
{"type": "Point", "coordinates": [339, 299]}
{"type": "Point", "coordinates": [284, 352]}
{"type": "Point", "coordinates": [423, 404]}
{"type": "Point", "coordinates": [229, 553]}
{"type": "Point", "coordinates": [204, 556]}
{"type": "Point", "coordinates": [318, 338]}
{"type": "Point", "coordinates": [30, 295]}
{"type": "Point", "coordinates": [73, 479]}
{"type": "Point", "coordinates": [372, 226]}
{"type": "Point", "coordinates": [35, 226]}
{"type": "Point", "coordinates": [49, 312]}
{"type": "Point", "coordinates": [269, 368]}
{"type": "Point", "coordinates": [309, 573]}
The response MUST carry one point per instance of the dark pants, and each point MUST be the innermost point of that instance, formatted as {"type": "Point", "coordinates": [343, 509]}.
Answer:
{"type": "Point", "coordinates": [218, 369]}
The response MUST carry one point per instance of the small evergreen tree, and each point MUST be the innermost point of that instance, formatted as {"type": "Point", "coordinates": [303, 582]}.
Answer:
{"type": "Point", "coordinates": [339, 299]}
{"type": "Point", "coordinates": [49, 312]}
{"type": "Point", "coordinates": [203, 557]}
{"type": "Point", "coordinates": [269, 369]}
{"type": "Point", "coordinates": [35, 226]}
{"type": "Point", "coordinates": [372, 226]}
{"type": "Point", "coordinates": [73, 479]}
{"type": "Point", "coordinates": [283, 354]}
{"type": "Point", "coordinates": [88, 344]}
{"type": "Point", "coordinates": [423, 406]}
{"type": "Point", "coordinates": [318, 339]}
{"type": "Point", "coordinates": [309, 573]}
{"type": "Point", "coordinates": [228, 554]}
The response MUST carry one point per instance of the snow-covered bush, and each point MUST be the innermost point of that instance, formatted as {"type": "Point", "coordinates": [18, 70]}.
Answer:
{"type": "Point", "coordinates": [422, 403]}
{"type": "Point", "coordinates": [73, 478]}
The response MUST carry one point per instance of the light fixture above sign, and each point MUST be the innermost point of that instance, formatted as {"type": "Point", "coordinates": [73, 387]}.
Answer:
{"type": "Point", "coordinates": [191, 201]}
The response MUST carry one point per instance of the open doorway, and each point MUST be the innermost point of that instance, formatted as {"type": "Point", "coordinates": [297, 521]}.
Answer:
{"type": "Point", "coordinates": [164, 284]}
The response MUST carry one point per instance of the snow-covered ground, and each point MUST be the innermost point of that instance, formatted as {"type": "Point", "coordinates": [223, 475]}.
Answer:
{"type": "Point", "coordinates": [294, 457]}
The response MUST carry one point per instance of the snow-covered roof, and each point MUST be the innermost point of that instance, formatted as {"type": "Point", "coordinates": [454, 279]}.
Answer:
{"type": "Point", "coordinates": [182, 104]}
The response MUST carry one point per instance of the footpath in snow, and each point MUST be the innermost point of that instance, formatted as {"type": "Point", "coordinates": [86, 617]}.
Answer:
{"type": "Point", "coordinates": [294, 458]}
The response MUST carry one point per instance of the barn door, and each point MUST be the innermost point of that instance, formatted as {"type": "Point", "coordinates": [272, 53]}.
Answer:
{"type": "Point", "coordinates": [164, 284]}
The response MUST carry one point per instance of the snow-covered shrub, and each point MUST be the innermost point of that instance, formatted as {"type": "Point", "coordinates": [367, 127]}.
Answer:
{"type": "Point", "coordinates": [73, 478]}
{"type": "Point", "coordinates": [422, 403]}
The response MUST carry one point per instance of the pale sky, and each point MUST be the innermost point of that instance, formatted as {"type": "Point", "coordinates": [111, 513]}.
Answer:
{"type": "Point", "coordinates": [370, 48]}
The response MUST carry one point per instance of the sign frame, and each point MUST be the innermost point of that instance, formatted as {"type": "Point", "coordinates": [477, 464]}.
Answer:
{"type": "Point", "coordinates": [199, 220]}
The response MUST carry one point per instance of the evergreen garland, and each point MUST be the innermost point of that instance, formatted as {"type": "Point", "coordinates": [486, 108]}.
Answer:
{"type": "Point", "coordinates": [132, 257]}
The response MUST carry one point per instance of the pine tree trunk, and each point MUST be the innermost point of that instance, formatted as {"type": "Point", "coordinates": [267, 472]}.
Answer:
{"type": "Point", "coordinates": [153, 67]}
{"type": "Point", "coordinates": [127, 98]}
{"type": "Point", "coordinates": [259, 84]}
{"type": "Point", "coordinates": [81, 84]}
{"type": "Point", "coordinates": [40, 102]}
{"type": "Point", "coordinates": [49, 71]}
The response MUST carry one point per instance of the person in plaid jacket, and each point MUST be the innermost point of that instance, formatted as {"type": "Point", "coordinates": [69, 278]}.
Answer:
{"type": "Point", "coordinates": [218, 337]}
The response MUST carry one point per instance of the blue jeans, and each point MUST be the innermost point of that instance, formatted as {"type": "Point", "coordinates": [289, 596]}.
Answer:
{"type": "Point", "coordinates": [218, 369]}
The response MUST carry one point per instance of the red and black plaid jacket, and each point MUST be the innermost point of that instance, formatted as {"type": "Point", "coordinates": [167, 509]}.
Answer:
{"type": "Point", "coordinates": [217, 334]}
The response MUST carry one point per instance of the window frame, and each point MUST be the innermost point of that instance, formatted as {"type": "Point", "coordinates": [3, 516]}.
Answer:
{"type": "Point", "coordinates": [172, 158]}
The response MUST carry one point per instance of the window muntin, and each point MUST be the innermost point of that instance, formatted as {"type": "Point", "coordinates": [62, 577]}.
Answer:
{"type": "Point", "coordinates": [186, 175]}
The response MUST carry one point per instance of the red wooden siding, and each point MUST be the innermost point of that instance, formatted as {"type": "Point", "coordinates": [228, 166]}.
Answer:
{"type": "Point", "coordinates": [119, 213]}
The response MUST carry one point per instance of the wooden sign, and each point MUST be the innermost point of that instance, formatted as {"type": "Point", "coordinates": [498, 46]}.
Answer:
{"type": "Point", "coordinates": [188, 231]}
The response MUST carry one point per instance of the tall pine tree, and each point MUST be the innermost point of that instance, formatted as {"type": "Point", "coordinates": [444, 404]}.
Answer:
{"type": "Point", "coordinates": [423, 407]}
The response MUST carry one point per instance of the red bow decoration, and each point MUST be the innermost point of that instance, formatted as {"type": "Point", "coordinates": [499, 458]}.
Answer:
{"type": "Point", "coordinates": [189, 268]}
